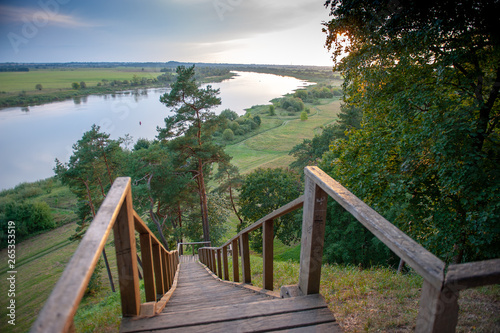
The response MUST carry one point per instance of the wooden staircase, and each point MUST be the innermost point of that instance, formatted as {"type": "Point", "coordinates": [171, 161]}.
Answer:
{"type": "Point", "coordinates": [196, 295]}
{"type": "Point", "coordinates": [203, 303]}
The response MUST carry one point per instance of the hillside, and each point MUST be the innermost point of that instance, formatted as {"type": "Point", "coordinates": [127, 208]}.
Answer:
{"type": "Point", "coordinates": [376, 299]}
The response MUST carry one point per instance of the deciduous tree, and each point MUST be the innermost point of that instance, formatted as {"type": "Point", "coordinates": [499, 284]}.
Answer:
{"type": "Point", "coordinates": [427, 77]}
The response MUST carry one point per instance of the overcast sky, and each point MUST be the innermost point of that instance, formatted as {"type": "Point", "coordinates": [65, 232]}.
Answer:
{"type": "Point", "coordinates": [223, 31]}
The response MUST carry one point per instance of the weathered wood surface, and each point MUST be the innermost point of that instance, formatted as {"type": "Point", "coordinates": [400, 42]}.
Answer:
{"type": "Point", "coordinates": [473, 274]}
{"type": "Point", "coordinates": [424, 262]}
{"type": "Point", "coordinates": [204, 304]}
{"type": "Point", "coordinates": [57, 313]}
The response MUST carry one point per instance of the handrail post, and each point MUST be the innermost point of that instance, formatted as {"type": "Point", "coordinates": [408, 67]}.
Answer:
{"type": "Point", "coordinates": [212, 260]}
{"type": "Point", "coordinates": [219, 263]}
{"type": "Point", "coordinates": [225, 263]}
{"type": "Point", "coordinates": [313, 236]}
{"type": "Point", "coordinates": [267, 254]}
{"type": "Point", "coordinates": [438, 310]}
{"type": "Point", "coordinates": [158, 265]}
{"type": "Point", "coordinates": [147, 267]}
{"type": "Point", "coordinates": [236, 269]}
{"type": "Point", "coordinates": [245, 258]}
{"type": "Point", "coordinates": [164, 266]}
{"type": "Point", "coordinates": [126, 258]}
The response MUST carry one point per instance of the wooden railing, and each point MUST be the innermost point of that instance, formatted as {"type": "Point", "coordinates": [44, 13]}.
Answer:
{"type": "Point", "coordinates": [438, 310]}
{"type": "Point", "coordinates": [159, 265]}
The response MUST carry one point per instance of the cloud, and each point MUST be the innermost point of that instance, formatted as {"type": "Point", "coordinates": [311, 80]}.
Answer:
{"type": "Point", "coordinates": [41, 16]}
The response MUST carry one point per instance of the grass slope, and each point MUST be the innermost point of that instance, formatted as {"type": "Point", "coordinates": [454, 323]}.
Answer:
{"type": "Point", "coordinates": [270, 147]}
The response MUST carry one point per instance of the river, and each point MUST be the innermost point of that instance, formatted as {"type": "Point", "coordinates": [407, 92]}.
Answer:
{"type": "Point", "coordinates": [31, 138]}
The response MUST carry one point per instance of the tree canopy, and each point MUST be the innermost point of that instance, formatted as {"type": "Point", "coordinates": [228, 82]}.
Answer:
{"type": "Point", "coordinates": [426, 76]}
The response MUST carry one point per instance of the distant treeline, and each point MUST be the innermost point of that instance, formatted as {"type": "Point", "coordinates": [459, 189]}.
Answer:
{"type": "Point", "coordinates": [14, 69]}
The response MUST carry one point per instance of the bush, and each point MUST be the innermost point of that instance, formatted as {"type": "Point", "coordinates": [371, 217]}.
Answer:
{"type": "Point", "coordinates": [257, 120]}
{"type": "Point", "coordinates": [229, 114]}
{"type": "Point", "coordinates": [228, 135]}
{"type": "Point", "coordinates": [29, 218]}
{"type": "Point", "coordinates": [272, 111]}
{"type": "Point", "coordinates": [239, 131]}
{"type": "Point", "coordinates": [234, 125]}
{"type": "Point", "coordinates": [303, 116]}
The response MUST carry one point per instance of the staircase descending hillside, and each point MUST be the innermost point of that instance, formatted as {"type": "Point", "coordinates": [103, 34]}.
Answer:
{"type": "Point", "coordinates": [184, 294]}
{"type": "Point", "coordinates": [202, 303]}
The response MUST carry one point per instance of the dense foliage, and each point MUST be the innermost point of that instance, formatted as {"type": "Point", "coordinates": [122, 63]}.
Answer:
{"type": "Point", "coordinates": [29, 218]}
{"type": "Point", "coordinates": [426, 76]}
{"type": "Point", "coordinates": [265, 190]}
{"type": "Point", "coordinates": [188, 132]}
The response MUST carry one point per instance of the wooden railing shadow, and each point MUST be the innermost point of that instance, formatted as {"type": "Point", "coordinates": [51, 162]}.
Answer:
{"type": "Point", "coordinates": [159, 265]}
{"type": "Point", "coordinates": [438, 310]}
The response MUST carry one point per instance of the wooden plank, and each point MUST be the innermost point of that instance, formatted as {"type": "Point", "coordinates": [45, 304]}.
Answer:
{"type": "Point", "coordinates": [289, 207]}
{"type": "Point", "coordinates": [473, 274]}
{"type": "Point", "coordinates": [164, 267]}
{"type": "Point", "coordinates": [142, 228]}
{"type": "Point", "coordinates": [281, 323]}
{"type": "Point", "coordinates": [148, 267]}
{"type": "Point", "coordinates": [59, 309]}
{"type": "Point", "coordinates": [245, 258]}
{"type": "Point", "coordinates": [424, 262]}
{"type": "Point", "coordinates": [160, 305]}
{"type": "Point", "coordinates": [226, 263]}
{"type": "Point", "coordinates": [158, 269]}
{"type": "Point", "coordinates": [219, 263]}
{"type": "Point", "coordinates": [313, 236]}
{"type": "Point", "coordinates": [267, 254]}
{"type": "Point", "coordinates": [126, 258]}
{"type": "Point", "coordinates": [212, 260]}
{"type": "Point", "coordinates": [438, 310]}
{"type": "Point", "coordinates": [236, 269]}
{"type": "Point", "coordinates": [271, 309]}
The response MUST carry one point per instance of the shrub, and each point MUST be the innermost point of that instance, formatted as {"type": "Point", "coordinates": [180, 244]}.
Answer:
{"type": "Point", "coordinates": [303, 116]}
{"type": "Point", "coordinates": [272, 111]}
{"type": "Point", "coordinates": [234, 125]}
{"type": "Point", "coordinates": [228, 135]}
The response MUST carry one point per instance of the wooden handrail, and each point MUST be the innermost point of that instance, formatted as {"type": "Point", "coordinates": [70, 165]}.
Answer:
{"type": "Point", "coordinates": [421, 260]}
{"type": "Point", "coordinates": [116, 212]}
{"type": "Point", "coordinates": [438, 304]}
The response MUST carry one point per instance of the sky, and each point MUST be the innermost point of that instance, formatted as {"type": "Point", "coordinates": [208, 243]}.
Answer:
{"type": "Point", "coordinates": [285, 32]}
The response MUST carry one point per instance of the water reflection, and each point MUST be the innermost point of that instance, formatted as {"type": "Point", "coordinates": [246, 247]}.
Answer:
{"type": "Point", "coordinates": [32, 137]}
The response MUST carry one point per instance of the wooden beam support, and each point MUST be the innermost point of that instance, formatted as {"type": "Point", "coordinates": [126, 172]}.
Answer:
{"type": "Point", "coordinates": [267, 254]}
{"type": "Point", "coordinates": [148, 267]}
{"type": "Point", "coordinates": [164, 266]}
{"type": "Point", "coordinates": [245, 258]}
{"type": "Point", "coordinates": [219, 263]}
{"type": "Point", "coordinates": [438, 312]}
{"type": "Point", "coordinates": [313, 236]}
{"type": "Point", "coordinates": [126, 258]}
{"type": "Point", "coordinates": [225, 262]}
{"type": "Point", "coordinates": [158, 263]}
{"type": "Point", "coordinates": [236, 269]}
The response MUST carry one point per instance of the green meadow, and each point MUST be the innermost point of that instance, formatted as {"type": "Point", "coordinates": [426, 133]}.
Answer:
{"type": "Point", "coordinates": [63, 78]}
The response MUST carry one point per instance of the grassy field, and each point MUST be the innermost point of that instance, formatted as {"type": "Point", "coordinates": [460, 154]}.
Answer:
{"type": "Point", "coordinates": [269, 149]}
{"type": "Point", "coordinates": [62, 79]}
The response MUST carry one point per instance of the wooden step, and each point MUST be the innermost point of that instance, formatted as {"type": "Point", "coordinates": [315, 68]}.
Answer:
{"type": "Point", "coordinates": [299, 314]}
